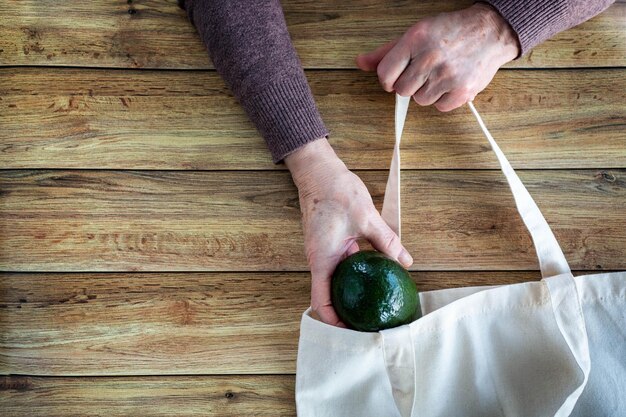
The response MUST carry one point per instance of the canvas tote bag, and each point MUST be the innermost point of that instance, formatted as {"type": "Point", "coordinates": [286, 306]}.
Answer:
{"type": "Point", "coordinates": [554, 347]}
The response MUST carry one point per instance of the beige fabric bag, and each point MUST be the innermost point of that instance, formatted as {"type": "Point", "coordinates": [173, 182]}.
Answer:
{"type": "Point", "coordinates": [555, 347]}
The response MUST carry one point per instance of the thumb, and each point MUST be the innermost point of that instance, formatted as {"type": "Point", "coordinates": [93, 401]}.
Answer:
{"type": "Point", "coordinates": [369, 61]}
{"type": "Point", "coordinates": [386, 241]}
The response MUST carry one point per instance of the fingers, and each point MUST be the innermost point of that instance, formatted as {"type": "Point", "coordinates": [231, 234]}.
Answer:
{"type": "Point", "coordinates": [327, 315]}
{"type": "Point", "coordinates": [426, 77]}
{"type": "Point", "coordinates": [446, 59]}
{"type": "Point", "coordinates": [452, 100]}
{"type": "Point", "coordinates": [321, 301]}
{"type": "Point", "coordinates": [428, 94]}
{"type": "Point", "coordinates": [392, 65]}
{"type": "Point", "coordinates": [411, 80]}
{"type": "Point", "coordinates": [369, 61]}
{"type": "Point", "coordinates": [386, 241]}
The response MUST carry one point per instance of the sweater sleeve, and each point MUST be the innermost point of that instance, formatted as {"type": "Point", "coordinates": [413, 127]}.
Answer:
{"type": "Point", "coordinates": [535, 21]}
{"type": "Point", "coordinates": [250, 47]}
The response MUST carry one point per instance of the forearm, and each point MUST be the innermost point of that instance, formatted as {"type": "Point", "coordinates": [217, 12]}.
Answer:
{"type": "Point", "coordinates": [250, 47]}
{"type": "Point", "coordinates": [535, 21]}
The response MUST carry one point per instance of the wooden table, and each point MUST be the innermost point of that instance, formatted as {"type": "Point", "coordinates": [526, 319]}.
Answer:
{"type": "Point", "coordinates": [151, 254]}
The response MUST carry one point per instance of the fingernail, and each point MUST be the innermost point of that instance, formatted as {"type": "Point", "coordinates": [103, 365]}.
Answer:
{"type": "Point", "coordinates": [405, 259]}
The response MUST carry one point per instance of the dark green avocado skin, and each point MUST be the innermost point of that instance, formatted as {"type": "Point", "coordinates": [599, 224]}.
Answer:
{"type": "Point", "coordinates": [372, 292]}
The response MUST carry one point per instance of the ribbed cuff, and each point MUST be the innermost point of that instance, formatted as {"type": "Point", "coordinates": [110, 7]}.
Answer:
{"type": "Point", "coordinates": [286, 116]}
{"type": "Point", "coordinates": [533, 21]}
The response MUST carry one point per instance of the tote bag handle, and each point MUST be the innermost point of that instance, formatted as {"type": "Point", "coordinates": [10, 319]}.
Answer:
{"type": "Point", "coordinates": [552, 263]}
{"type": "Point", "coordinates": [551, 259]}
{"type": "Point", "coordinates": [554, 269]}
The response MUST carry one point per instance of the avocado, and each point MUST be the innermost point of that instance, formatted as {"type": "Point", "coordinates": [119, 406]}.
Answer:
{"type": "Point", "coordinates": [372, 292]}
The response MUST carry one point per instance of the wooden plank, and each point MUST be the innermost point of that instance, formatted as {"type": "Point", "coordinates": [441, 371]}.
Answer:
{"type": "Point", "coordinates": [99, 34]}
{"type": "Point", "coordinates": [224, 396]}
{"type": "Point", "coordinates": [167, 323]}
{"type": "Point", "coordinates": [66, 118]}
{"type": "Point", "coordinates": [250, 221]}
{"type": "Point", "coordinates": [327, 34]}
{"type": "Point", "coordinates": [150, 324]}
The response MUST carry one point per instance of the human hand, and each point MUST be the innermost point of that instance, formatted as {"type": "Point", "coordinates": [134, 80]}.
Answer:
{"type": "Point", "coordinates": [336, 210]}
{"type": "Point", "coordinates": [446, 59]}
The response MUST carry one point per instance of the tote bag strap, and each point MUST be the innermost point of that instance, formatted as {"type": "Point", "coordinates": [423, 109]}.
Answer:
{"type": "Point", "coordinates": [555, 270]}
{"type": "Point", "coordinates": [551, 259]}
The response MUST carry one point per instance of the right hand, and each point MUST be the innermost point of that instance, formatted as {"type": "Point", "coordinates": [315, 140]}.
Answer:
{"type": "Point", "coordinates": [446, 59]}
{"type": "Point", "coordinates": [336, 210]}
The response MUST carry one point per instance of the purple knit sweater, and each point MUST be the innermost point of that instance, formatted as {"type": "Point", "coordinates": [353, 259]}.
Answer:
{"type": "Point", "coordinates": [250, 47]}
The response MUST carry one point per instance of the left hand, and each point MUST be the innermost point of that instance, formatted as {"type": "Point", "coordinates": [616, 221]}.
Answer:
{"type": "Point", "coordinates": [337, 210]}
{"type": "Point", "coordinates": [447, 59]}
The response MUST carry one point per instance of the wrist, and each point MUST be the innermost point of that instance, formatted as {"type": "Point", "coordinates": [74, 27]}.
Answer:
{"type": "Point", "coordinates": [503, 33]}
{"type": "Point", "coordinates": [306, 162]}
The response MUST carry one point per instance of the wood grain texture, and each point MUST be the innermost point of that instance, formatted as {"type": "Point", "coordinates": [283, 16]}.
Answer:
{"type": "Point", "coordinates": [326, 34]}
{"type": "Point", "coordinates": [250, 221]}
{"type": "Point", "coordinates": [78, 118]}
{"type": "Point", "coordinates": [167, 323]}
{"type": "Point", "coordinates": [232, 396]}
{"type": "Point", "coordinates": [219, 337]}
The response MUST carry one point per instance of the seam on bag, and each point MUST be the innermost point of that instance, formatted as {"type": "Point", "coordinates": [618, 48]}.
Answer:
{"type": "Point", "coordinates": [352, 347]}
{"type": "Point", "coordinates": [341, 346]}
{"type": "Point", "coordinates": [493, 382]}
{"type": "Point", "coordinates": [587, 358]}
{"type": "Point", "coordinates": [596, 300]}
{"type": "Point", "coordinates": [542, 301]}
{"type": "Point", "coordinates": [388, 373]}
{"type": "Point", "coordinates": [529, 307]}
{"type": "Point", "coordinates": [414, 371]}
{"type": "Point", "coordinates": [384, 357]}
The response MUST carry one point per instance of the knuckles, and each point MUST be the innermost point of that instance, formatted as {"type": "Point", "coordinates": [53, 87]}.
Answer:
{"type": "Point", "coordinates": [422, 99]}
{"type": "Point", "coordinates": [385, 81]}
{"type": "Point", "coordinates": [403, 89]}
{"type": "Point", "coordinates": [390, 242]}
{"type": "Point", "coordinates": [454, 100]}
{"type": "Point", "coordinates": [447, 71]}
{"type": "Point", "coordinates": [419, 31]}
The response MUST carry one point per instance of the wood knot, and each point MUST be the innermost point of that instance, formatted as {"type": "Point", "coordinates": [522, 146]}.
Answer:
{"type": "Point", "coordinates": [606, 176]}
{"type": "Point", "coordinates": [229, 395]}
